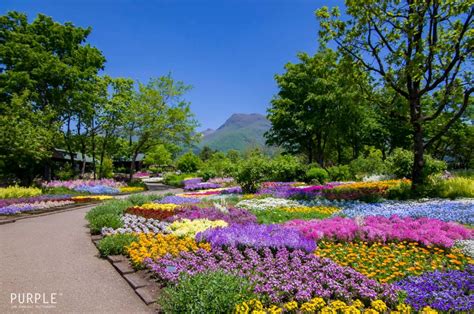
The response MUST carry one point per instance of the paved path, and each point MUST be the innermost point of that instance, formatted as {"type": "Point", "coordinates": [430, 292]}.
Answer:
{"type": "Point", "coordinates": [54, 254]}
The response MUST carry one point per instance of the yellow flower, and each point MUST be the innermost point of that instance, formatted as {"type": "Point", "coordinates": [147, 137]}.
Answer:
{"type": "Point", "coordinates": [131, 189]}
{"type": "Point", "coordinates": [379, 305]}
{"type": "Point", "coordinates": [93, 197]}
{"type": "Point", "coordinates": [155, 246]}
{"type": "Point", "coordinates": [155, 206]}
{"type": "Point", "coordinates": [428, 310]}
{"type": "Point", "coordinates": [290, 306]}
{"type": "Point", "coordinates": [186, 227]}
{"type": "Point", "coordinates": [358, 304]}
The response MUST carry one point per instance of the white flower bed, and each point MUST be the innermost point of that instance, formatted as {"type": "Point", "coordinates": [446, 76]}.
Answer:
{"type": "Point", "coordinates": [266, 203]}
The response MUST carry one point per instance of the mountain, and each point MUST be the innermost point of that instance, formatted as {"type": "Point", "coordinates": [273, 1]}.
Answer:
{"type": "Point", "coordinates": [241, 131]}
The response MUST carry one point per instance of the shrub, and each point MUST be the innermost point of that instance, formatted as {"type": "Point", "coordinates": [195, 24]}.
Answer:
{"type": "Point", "coordinates": [286, 168]}
{"type": "Point", "coordinates": [96, 223]}
{"type": "Point", "coordinates": [66, 172]}
{"type": "Point", "coordinates": [116, 244]}
{"type": "Point", "coordinates": [107, 168]}
{"type": "Point", "coordinates": [140, 199]}
{"type": "Point", "coordinates": [188, 162]}
{"type": "Point", "coordinates": [251, 172]}
{"type": "Point", "coordinates": [453, 188]}
{"type": "Point", "coordinates": [340, 173]}
{"type": "Point", "coordinates": [368, 165]}
{"type": "Point", "coordinates": [317, 175]}
{"type": "Point", "coordinates": [107, 215]}
{"type": "Point", "coordinates": [177, 179]}
{"type": "Point", "coordinates": [400, 163]}
{"type": "Point", "coordinates": [211, 292]}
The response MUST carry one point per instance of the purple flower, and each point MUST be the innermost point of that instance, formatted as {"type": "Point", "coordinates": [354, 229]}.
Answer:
{"type": "Point", "coordinates": [448, 291]}
{"type": "Point", "coordinates": [280, 276]}
{"type": "Point", "coordinates": [232, 216]}
{"type": "Point", "coordinates": [178, 200]}
{"type": "Point", "coordinates": [257, 236]}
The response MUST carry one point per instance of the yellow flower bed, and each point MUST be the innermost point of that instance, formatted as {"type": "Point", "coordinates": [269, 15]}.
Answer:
{"type": "Point", "coordinates": [391, 262]}
{"type": "Point", "coordinates": [131, 189]}
{"type": "Point", "coordinates": [17, 192]}
{"type": "Point", "coordinates": [383, 185]}
{"type": "Point", "coordinates": [318, 305]}
{"type": "Point", "coordinates": [312, 209]}
{"type": "Point", "coordinates": [155, 206]}
{"type": "Point", "coordinates": [186, 227]}
{"type": "Point", "coordinates": [156, 246]}
{"type": "Point", "coordinates": [92, 197]}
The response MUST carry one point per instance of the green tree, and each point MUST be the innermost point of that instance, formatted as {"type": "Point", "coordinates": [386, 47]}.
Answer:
{"type": "Point", "coordinates": [158, 155]}
{"type": "Point", "coordinates": [188, 163]}
{"type": "Point", "coordinates": [206, 153]}
{"type": "Point", "coordinates": [315, 111]}
{"type": "Point", "coordinates": [52, 69]}
{"type": "Point", "coordinates": [158, 114]}
{"type": "Point", "coordinates": [419, 49]}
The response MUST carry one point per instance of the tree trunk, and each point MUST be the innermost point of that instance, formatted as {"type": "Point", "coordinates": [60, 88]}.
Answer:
{"type": "Point", "coordinates": [132, 165]}
{"type": "Point", "coordinates": [93, 152]}
{"type": "Point", "coordinates": [418, 150]}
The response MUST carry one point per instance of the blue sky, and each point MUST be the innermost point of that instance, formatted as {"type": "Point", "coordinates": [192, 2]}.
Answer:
{"type": "Point", "coordinates": [229, 51]}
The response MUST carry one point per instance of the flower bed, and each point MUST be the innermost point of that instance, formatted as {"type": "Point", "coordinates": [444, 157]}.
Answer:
{"type": "Point", "coordinates": [258, 237]}
{"type": "Point", "coordinates": [189, 228]}
{"type": "Point", "coordinates": [267, 203]}
{"type": "Point", "coordinates": [131, 189]}
{"type": "Point", "coordinates": [362, 190]}
{"type": "Point", "coordinates": [72, 184]}
{"type": "Point", "coordinates": [178, 200]}
{"type": "Point", "coordinates": [280, 277]}
{"type": "Point", "coordinates": [18, 192]}
{"type": "Point", "coordinates": [28, 207]}
{"type": "Point", "coordinates": [231, 216]}
{"type": "Point", "coordinates": [137, 224]}
{"type": "Point", "coordinates": [153, 210]}
{"type": "Point", "coordinates": [444, 291]}
{"type": "Point", "coordinates": [390, 262]}
{"type": "Point", "coordinates": [150, 246]}
{"type": "Point", "coordinates": [309, 258]}
{"type": "Point", "coordinates": [426, 231]}
{"type": "Point", "coordinates": [461, 211]}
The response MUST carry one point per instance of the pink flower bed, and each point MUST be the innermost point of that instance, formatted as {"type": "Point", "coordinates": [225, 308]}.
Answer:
{"type": "Point", "coordinates": [426, 231]}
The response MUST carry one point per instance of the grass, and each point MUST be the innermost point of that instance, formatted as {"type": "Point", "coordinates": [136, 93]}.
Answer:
{"type": "Point", "coordinates": [279, 216]}
{"type": "Point", "coordinates": [115, 244]}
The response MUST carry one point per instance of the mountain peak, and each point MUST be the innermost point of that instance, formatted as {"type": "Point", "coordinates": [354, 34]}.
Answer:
{"type": "Point", "coordinates": [240, 131]}
{"type": "Point", "coordinates": [244, 120]}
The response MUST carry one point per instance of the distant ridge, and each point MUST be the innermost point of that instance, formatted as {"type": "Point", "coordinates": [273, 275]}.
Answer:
{"type": "Point", "coordinates": [241, 132]}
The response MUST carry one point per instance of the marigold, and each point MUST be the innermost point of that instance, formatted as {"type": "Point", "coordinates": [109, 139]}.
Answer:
{"type": "Point", "coordinates": [155, 246]}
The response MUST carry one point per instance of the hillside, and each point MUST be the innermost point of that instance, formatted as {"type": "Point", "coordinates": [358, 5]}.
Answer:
{"type": "Point", "coordinates": [240, 132]}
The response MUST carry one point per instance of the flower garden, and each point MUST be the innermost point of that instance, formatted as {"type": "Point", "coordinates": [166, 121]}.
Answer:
{"type": "Point", "coordinates": [52, 195]}
{"type": "Point", "coordinates": [296, 248]}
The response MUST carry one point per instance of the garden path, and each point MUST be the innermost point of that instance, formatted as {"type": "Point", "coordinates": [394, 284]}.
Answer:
{"type": "Point", "coordinates": [55, 254]}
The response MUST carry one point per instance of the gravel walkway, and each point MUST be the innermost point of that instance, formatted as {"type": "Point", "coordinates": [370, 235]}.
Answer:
{"type": "Point", "coordinates": [53, 257]}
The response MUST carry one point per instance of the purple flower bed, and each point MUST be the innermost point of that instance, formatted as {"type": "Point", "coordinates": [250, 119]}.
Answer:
{"type": "Point", "coordinates": [26, 207]}
{"type": "Point", "coordinates": [444, 291]}
{"type": "Point", "coordinates": [73, 184]}
{"type": "Point", "coordinates": [233, 216]}
{"type": "Point", "coordinates": [178, 200]}
{"type": "Point", "coordinates": [201, 186]}
{"type": "Point", "coordinates": [281, 277]}
{"type": "Point", "coordinates": [232, 190]}
{"type": "Point", "coordinates": [426, 231]}
{"type": "Point", "coordinates": [258, 237]}
{"type": "Point", "coordinates": [35, 199]}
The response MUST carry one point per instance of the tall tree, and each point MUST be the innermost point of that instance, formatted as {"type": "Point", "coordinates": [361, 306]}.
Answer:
{"type": "Point", "coordinates": [418, 49]}
{"type": "Point", "coordinates": [50, 66]}
{"type": "Point", "coordinates": [318, 107]}
{"type": "Point", "coordinates": [158, 114]}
